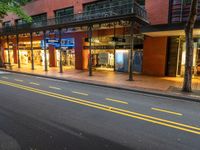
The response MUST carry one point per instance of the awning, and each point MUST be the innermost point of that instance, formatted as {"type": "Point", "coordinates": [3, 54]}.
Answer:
{"type": "Point", "coordinates": [168, 30]}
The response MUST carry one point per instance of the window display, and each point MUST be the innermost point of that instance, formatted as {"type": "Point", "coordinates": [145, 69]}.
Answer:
{"type": "Point", "coordinates": [103, 59]}
{"type": "Point", "coordinates": [121, 57]}
{"type": "Point", "coordinates": [196, 59]}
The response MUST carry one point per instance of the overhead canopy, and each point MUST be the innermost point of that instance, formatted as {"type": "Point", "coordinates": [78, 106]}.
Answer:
{"type": "Point", "coordinates": [168, 30]}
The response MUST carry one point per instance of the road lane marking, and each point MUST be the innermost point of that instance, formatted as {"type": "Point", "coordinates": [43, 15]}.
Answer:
{"type": "Point", "coordinates": [167, 111]}
{"type": "Point", "coordinates": [18, 80]}
{"type": "Point", "coordinates": [117, 101]}
{"type": "Point", "coordinates": [127, 113]}
{"type": "Point", "coordinates": [55, 88]}
{"type": "Point", "coordinates": [75, 92]}
{"type": "Point", "coordinates": [33, 83]}
{"type": "Point", "coordinates": [4, 77]}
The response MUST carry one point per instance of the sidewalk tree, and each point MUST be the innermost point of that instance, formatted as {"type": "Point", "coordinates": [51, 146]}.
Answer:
{"type": "Point", "coordinates": [187, 85]}
{"type": "Point", "coordinates": [12, 6]}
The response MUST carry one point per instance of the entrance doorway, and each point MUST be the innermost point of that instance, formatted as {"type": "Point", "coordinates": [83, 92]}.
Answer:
{"type": "Point", "coordinates": [68, 58]}
{"type": "Point", "coordinates": [137, 60]}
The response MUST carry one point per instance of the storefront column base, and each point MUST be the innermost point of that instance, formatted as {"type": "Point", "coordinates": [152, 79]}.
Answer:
{"type": "Point", "coordinates": [130, 80]}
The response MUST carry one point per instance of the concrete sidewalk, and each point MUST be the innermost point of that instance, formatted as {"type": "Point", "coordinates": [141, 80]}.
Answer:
{"type": "Point", "coordinates": [142, 83]}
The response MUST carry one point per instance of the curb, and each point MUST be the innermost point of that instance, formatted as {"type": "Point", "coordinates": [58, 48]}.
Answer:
{"type": "Point", "coordinates": [162, 94]}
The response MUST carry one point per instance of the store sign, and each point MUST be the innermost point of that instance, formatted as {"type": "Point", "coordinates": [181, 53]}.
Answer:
{"type": "Point", "coordinates": [52, 41]}
{"type": "Point", "coordinates": [117, 39]}
{"type": "Point", "coordinates": [99, 47]}
{"type": "Point", "coordinates": [65, 43]}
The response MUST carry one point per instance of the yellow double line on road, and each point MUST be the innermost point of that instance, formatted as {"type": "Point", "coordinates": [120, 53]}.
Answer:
{"type": "Point", "coordinates": [127, 113]}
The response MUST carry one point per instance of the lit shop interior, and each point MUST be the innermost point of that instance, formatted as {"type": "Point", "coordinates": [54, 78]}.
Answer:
{"type": "Point", "coordinates": [112, 53]}
{"type": "Point", "coordinates": [196, 58]}
{"type": "Point", "coordinates": [9, 54]}
{"type": "Point", "coordinates": [25, 54]}
{"type": "Point", "coordinates": [67, 52]}
{"type": "Point", "coordinates": [52, 53]}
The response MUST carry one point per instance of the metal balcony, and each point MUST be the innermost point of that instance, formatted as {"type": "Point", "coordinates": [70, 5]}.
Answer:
{"type": "Point", "coordinates": [128, 11]}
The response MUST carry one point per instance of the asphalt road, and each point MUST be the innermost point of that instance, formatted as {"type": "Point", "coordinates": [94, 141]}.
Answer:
{"type": "Point", "coordinates": [44, 114]}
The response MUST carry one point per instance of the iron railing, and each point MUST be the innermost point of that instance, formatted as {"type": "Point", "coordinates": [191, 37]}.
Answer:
{"type": "Point", "coordinates": [129, 8]}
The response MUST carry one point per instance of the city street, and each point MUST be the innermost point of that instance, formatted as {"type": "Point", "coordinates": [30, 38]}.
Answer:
{"type": "Point", "coordinates": [46, 114]}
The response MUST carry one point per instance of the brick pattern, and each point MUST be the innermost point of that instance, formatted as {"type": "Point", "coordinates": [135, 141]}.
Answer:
{"type": "Point", "coordinates": [158, 11]}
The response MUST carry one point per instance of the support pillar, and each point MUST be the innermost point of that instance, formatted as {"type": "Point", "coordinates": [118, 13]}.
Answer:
{"type": "Point", "coordinates": [8, 48]}
{"type": "Point", "coordinates": [131, 53]}
{"type": "Point", "coordinates": [32, 52]}
{"type": "Point", "coordinates": [90, 49]}
{"type": "Point", "coordinates": [114, 47]}
{"type": "Point", "coordinates": [18, 53]}
{"type": "Point", "coordinates": [60, 36]}
{"type": "Point", "coordinates": [45, 52]}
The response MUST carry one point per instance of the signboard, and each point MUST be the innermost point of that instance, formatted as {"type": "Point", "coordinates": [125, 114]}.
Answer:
{"type": "Point", "coordinates": [118, 39]}
{"type": "Point", "coordinates": [65, 43]}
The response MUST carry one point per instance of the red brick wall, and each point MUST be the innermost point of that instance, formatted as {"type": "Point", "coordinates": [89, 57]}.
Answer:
{"type": "Point", "coordinates": [158, 11]}
{"type": "Point", "coordinates": [49, 6]}
{"type": "Point", "coordinates": [155, 55]}
{"type": "Point", "coordinates": [52, 56]}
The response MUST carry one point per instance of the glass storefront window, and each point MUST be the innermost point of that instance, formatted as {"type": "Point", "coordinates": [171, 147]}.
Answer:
{"type": "Point", "coordinates": [68, 58]}
{"type": "Point", "coordinates": [121, 57]}
{"type": "Point", "coordinates": [25, 57]}
{"type": "Point", "coordinates": [196, 59]}
{"type": "Point", "coordinates": [6, 56]}
{"type": "Point", "coordinates": [103, 59]}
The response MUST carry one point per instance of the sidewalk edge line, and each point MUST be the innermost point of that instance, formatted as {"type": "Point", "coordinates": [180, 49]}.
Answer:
{"type": "Point", "coordinates": [162, 94]}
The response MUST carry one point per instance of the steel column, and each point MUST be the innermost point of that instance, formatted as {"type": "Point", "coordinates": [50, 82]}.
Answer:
{"type": "Point", "coordinates": [90, 49]}
{"type": "Point", "coordinates": [114, 47]}
{"type": "Point", "coordinates": [18, 52]}
{"type": "Point", "coordinates": [131, 53]}
{"type": "Point", "coordinates": [8, 48]}
{"type": "Point", "coordinates": [45, 52]}
{"type": "Point", "coordinates": [60, 36]}
{"type": "Point", "coordinates": [32, 52]}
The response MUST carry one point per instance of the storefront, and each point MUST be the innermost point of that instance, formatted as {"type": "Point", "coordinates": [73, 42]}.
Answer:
{"type": "Point", "coordinates": [103, 59]}
{"type": "Point", "coordinates": [112, 54]}
{"type": "Point", "coordinates": [9, 54]}
{"type": "Point", "coordinates": [196, 58]}
{"type": "Point", "coordinates": [25, 54]}
{"type": "Point", "coordinates": [177, 56]}
{"type": "Point", "coordinates": [67, 51]}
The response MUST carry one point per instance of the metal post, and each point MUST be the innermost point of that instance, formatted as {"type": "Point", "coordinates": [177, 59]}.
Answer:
{"type": "Point", "coordinates": [178, 56]}
{"type": "Point", "coordinates": [45, 52]}
{"type": "Point", "coordinates": [32, 52]}
{"type": "Point", "coordinates": [114, 47]}
{"type": "Point", "coordinates": [8, 48]}
{"type": "Point", "coordinates": [131, 53]}
{"type": "Point", "coordinates": [90, 49]}
{"type": "Point", "coordinates": [18, 52]}
{"type": "Point", "coordinates": [60, 36]}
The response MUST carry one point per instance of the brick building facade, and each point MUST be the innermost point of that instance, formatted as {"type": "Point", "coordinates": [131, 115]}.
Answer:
{"type": "Point", "coordinates": [160, 53]}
